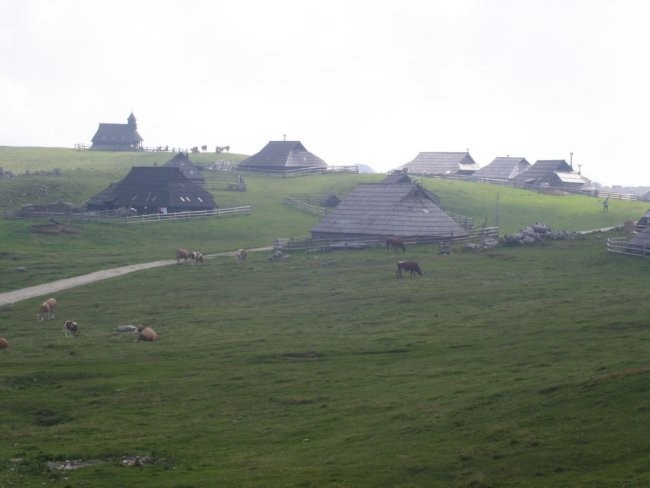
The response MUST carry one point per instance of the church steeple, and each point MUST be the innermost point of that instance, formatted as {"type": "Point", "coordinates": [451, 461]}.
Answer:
{"type": "Point", "coordinates": [132, 122]}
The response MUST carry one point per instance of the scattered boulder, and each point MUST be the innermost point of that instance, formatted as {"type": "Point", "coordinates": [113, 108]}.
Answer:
{"type": "Point", "coordinates": [536, 233]}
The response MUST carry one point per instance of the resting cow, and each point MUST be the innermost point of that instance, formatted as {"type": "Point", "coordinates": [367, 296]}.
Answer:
{"type": "Point", "coordinates": [145, 334]}
{"type": "Point", "coordinates": [410, 266]}
{"type": "Point", "coordinates": [395, 243]}
{"type": "Point", "coordinates": [70, 328]}
{"type": "Point", "coordinates": [3, 343]}
{"type": "Point", "coordinates": [46, 309]}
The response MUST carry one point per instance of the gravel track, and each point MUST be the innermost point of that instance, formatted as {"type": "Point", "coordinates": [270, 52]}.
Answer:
{"type": "Point", "coordinates": [66, 283]}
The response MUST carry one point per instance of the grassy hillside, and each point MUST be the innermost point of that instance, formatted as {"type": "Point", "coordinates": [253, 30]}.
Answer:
{"type": "Point", "coordinates": [509, 368]}
{"type": "Point", "coordinates": [84, 173]}
{"type": "Point", "coordinates": [518, 367]}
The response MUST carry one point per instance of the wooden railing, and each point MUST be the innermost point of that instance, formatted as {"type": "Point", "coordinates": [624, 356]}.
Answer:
{"type": "Point", "coordinates": [115, 218]}
{"type": "Point", "coordinates": [360, 242]}
{"type": "Point", "coordinates": [621, 245]}
{"type": "Point", "coordinates": [216, 212]}
{"type": "Point", "coordinates": [303, 205]}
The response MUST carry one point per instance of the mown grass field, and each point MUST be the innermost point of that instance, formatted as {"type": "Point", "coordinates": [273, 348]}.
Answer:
{"type": "Point", "coordinates": [507, 368]}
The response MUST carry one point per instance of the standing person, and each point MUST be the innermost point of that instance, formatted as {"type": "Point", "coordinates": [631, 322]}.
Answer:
{"type": "Point", "coordinates": [606, 205]}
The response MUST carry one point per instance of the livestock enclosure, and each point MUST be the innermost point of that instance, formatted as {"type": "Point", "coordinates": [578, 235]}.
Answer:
{"type": "Point", "coordinates": [472, 375]}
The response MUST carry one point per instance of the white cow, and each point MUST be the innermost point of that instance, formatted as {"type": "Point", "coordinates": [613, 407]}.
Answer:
{"type": "Point", "coordinates": [70, 328]}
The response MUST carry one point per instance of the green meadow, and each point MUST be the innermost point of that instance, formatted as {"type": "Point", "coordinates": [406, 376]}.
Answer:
{"type": "Point", "coordinates": [512, 367]}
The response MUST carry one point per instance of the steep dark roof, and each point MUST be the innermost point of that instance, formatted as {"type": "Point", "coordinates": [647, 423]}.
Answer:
{"type": "Point", "coordinates": [543, 171]}
{"type": "Point", "coordinates": [118, 135]}
{"type": "Point", "coordinates": [441, 163]}
{"type": "Point", "coordinates": [151, 187]}
{"type": "Point", "coordinates": [381, 209]}
{"type": "Point", "coordinates": [188, 168]}
{"type": "Point", "coordinates": [281, 155]}
{"type": "Point", "coordinates": [503, 168]}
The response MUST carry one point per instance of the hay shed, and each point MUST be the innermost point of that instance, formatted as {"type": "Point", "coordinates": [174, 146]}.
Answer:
{"type": "Point", "coordinates": [382, 209]}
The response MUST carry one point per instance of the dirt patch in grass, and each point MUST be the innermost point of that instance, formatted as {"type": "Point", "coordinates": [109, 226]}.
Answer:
{"type": "Point", "coordinates": [55, 229]}
{"type": "Point", "coordinates": [618, 374]}
{"type": "Point", "coordinates": [301, 355]}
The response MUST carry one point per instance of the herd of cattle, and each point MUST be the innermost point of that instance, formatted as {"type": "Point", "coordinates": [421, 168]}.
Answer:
{"type": "Point", "coordinates": [71, 328]}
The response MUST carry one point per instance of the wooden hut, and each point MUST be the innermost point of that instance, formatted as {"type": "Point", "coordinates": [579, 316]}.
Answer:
{"type": "Point", "coordinates": [442, 164]}
{"type": "Point", "coordinates": [153, 189]}
{"type": "Point", "coordinates": [502, 168]}
{"type": "Point", "coordinates": [554, 173]}
{"type": "Point", "coordinates": [283, 156]}
{"type": "Point", "coordinates": [118, 137]}
{"type": "Point", "coordinates": [383, 209]}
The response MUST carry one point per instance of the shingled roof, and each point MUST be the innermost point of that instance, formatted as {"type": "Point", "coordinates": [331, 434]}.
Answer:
{"type": "Point", "coordinates": [381, 209]}
{"type": "Point", "coordinates": [503, 168]}
{"type": "Point", "coordinates": [188, 168]}
{"type": "Point", "coordinates": [544, 172]}
{"type": "Point", "coordinates": [118, 137]}
{"type": "Point", "coordinates": [441, 164]}
{"type": "Point", "coordinates": [282, 156]}
{"type": "Point", "coordinates": [148, 188]}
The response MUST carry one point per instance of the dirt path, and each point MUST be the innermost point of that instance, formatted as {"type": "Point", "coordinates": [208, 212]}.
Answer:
{"type": "Point", "coordinates": [54, 286]}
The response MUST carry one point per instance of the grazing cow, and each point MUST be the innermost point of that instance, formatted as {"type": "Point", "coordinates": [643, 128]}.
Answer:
{"type": "Point", "coordinates": [3, 343]}
{"type": "Point", "coordinates": [46, 309]}
{"type": "Point", "coordinates": [183, 254]}
{"type": "Point", "coordinates": [70, 328]}
{"type": "Point", "coordinates": [395, 243]}
{"type": "Point", "coordinates": [410, 266]}
{"type": "Point", "coordinates": [145, 334]}
{"type": "Point", "coordinates": [220, 149]}
{"type": "Point", "coordinates": [197, 257]}
{"type": "Point", "coordinates": [241, 256]}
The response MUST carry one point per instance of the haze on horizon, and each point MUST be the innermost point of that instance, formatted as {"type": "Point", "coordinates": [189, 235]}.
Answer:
{"type": "Point", "coordinates": [363, 82]}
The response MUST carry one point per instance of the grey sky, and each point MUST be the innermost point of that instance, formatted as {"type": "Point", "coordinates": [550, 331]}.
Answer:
{"type": "Point", "coordinates": [370, 81]}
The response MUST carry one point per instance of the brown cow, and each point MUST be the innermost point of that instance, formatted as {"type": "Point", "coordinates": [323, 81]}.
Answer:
{"type": "Point", "coordinates": [395, 243]}
{"type": "Point", "coordinates": [70, 328]}
{"type": "Point", "coordinates": [46, 309]}
{"type": "Point", "coordinates": [410, 266]}
{"type": "Point", "coordinates": [145, 334]}
{"type": "Point", "coordinates": [3, 343]}
{"type": "Point", "coordinates": [183, 254]}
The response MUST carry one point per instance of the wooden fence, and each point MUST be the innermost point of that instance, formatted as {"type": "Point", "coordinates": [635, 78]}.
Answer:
{"type": "Point", "coordinates": [303, 205]}
{"type": "Point", "coordinates": [621, 245]}
{"type": "Point", "coordinates": [215, 212]}
{"type": "Point", "coordinates": [291, 173]}
{"type": "Point", "coordinates": [115, 218]}
{"type": "Point", "coordinates": [362, 242]}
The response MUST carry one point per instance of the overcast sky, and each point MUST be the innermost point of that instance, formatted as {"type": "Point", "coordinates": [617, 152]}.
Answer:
{"type": "Point", "coordinates": [357, 82]}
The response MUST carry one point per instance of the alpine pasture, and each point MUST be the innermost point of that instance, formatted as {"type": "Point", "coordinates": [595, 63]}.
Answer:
{"type": "Point", "coordinates": [518, 366]}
